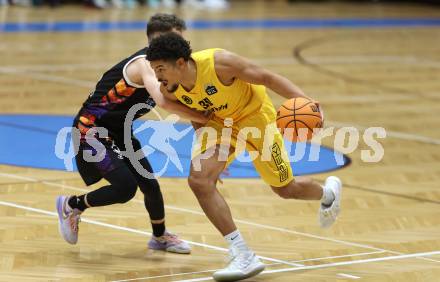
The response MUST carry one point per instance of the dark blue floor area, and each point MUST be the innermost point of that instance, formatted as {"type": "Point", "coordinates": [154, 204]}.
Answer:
{"type": "Point", "coordinates": [87, 26]}
{"type": "Point", "coordinates": [29, 141]}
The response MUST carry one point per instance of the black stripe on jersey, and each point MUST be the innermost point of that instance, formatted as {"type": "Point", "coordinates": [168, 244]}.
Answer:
{"type": "Point", "coordinates": [107, 98]}
{"type": "Point", "coordinates": [125, 81]}
{"type": "Point", "coordinates": [117, 94]}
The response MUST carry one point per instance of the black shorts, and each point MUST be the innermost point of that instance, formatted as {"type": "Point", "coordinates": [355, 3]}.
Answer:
{"type": "Point", "coordinates": [92, 172]}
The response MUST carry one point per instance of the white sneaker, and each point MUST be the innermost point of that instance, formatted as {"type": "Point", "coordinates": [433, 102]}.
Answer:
{"type": "Point", "coordinates": [328, 214]}
{"type": "Point", "coordinates": [68, 220]}
{"type": "Point", "coordinates": [242, 265]}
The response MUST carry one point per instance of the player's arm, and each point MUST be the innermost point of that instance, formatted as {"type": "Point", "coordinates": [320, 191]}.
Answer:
{"type": "Point", "coordinates": [230, 66]}
{"type": "Point", "coordinates": [164, 100]}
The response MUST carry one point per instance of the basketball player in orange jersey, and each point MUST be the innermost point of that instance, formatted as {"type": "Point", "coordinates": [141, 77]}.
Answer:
{"type": "Point", "coordinates": [129, 82]}
{"type": "Point", "coordinates": [234, 89]}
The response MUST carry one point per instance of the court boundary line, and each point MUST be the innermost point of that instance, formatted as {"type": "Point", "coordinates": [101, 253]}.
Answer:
{"type": "Point", "coordinates": [103, 26]}
{"type": "Point", "coordinates": [48, 183]}
{"type": "Point", "coordinates": [272, 264]}
{"type": "Point", "coordinates": [133, 230]}
{"type": "Point", "coordinates": [334, 264]}
{"type": "Point", "coordinates": [347, 243]}
{"type": "Point", "coordinates": [136, 231]}
{"type": "Point", "coordinates": [349, 276]}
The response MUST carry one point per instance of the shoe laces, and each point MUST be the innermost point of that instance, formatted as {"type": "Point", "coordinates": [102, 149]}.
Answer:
{"type": "Point", "coordinates": [330, 211]}
{"type": "Point", "coordinates": [73, 215]}
{"type": "Point", "coordinates": [74, 220]}
{"type": "Point", "coordinates": [169, 238]}
{"type": "Point", "coordinates": [241, 260]}
{"type": "Point", "coordinates": [233, 252]}
{"type": "Point", "coordinates": [325, 211]}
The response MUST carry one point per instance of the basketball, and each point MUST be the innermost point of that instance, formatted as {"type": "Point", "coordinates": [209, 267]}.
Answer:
{"type": "Point", "coordinates": [302, 116]}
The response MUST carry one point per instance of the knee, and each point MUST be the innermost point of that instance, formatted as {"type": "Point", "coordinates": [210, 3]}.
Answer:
{"type": "Point", "coordinates": [200, 184]}
{"type": "Point", "coordinates": [127, 190]}
{"type": "Point", "coordinates": [150, 187]}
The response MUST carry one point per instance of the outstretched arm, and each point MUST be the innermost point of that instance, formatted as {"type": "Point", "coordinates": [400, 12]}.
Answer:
{"type": "Point", "coordinates": [230, 66]}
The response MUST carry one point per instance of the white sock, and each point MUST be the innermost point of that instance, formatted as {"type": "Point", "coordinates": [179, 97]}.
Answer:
{"type": "Point", "coordinates": [327, 196]}
{"type": "Point", "coordinates": [235, 240]}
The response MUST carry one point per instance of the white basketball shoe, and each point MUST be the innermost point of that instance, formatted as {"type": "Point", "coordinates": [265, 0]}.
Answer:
{"type": "Point", "coordinates": [243, 264]}
{"type": "Point", "coordinates": [328, 214]}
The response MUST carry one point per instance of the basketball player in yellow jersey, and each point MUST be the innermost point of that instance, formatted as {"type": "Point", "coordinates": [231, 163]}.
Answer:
{"type": "Point", "coordinates": [233, 89]}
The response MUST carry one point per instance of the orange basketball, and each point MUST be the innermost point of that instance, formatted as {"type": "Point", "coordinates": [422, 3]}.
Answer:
{"type": "Point", "coordinates": [302, 116]}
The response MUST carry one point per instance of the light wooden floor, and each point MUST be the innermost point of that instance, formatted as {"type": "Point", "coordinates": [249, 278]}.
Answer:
{"type": "Point", "coordinates": [388, 77]}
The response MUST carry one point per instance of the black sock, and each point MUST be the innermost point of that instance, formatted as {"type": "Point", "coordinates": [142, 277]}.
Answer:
{"type": "Point", "coordinates": [158, 229]}
{"type": "Point", "coordinates": [77, 202]}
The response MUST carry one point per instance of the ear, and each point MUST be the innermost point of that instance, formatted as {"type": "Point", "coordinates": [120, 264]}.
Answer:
{"type": "Point", "coordinates": [180, 63]}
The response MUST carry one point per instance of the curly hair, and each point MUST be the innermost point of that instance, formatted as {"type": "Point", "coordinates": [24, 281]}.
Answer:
{"type": "Point", "coordinates": [164, 23]}
{"type": "Point", "coordinates": [168, 47]}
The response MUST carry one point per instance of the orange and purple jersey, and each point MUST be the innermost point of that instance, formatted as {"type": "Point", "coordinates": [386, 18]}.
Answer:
{"type": "Point", "coordinates": [112, 98]}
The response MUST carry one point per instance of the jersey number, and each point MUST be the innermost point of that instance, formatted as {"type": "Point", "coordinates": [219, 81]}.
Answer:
{"type": "Point", "coordinates": [205, 103]}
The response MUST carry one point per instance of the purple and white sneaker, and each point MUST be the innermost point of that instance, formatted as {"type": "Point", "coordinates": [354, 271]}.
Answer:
{"type": "Point", "coordinates": [169, 242]}
{"type": "Point", "coordinates": [68, 220]}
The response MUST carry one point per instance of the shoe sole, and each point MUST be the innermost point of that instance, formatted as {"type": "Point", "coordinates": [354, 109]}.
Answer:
{"type": "Point", "coordinates": [170, 250]}
{"type": "Point", "coordinates": [178, 251]}
{"type": "Point", "coordinates": [254, 272]}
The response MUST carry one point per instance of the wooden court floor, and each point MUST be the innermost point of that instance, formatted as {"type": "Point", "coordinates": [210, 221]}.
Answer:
{"type": "Point", "coordinates": [389, 229]}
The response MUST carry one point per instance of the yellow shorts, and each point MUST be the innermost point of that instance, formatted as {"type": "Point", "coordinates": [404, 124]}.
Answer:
{"type": "Point", "coordinates": [258, 134]}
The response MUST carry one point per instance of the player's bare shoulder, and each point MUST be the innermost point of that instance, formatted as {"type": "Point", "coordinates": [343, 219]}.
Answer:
{"type": "Point", "coordinates": [224, 58]}
{"type": "Point", "coordinates": [134, 70]}
{"type": "Point", "coordinates": [224, 66]}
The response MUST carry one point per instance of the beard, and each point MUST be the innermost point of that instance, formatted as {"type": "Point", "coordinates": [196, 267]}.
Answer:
{"type": "Point", "coordinates": [173, 88]}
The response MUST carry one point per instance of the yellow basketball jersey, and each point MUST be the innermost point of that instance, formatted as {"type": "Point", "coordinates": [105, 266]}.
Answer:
{"type": "Point", "coordinates": [235, 101]}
